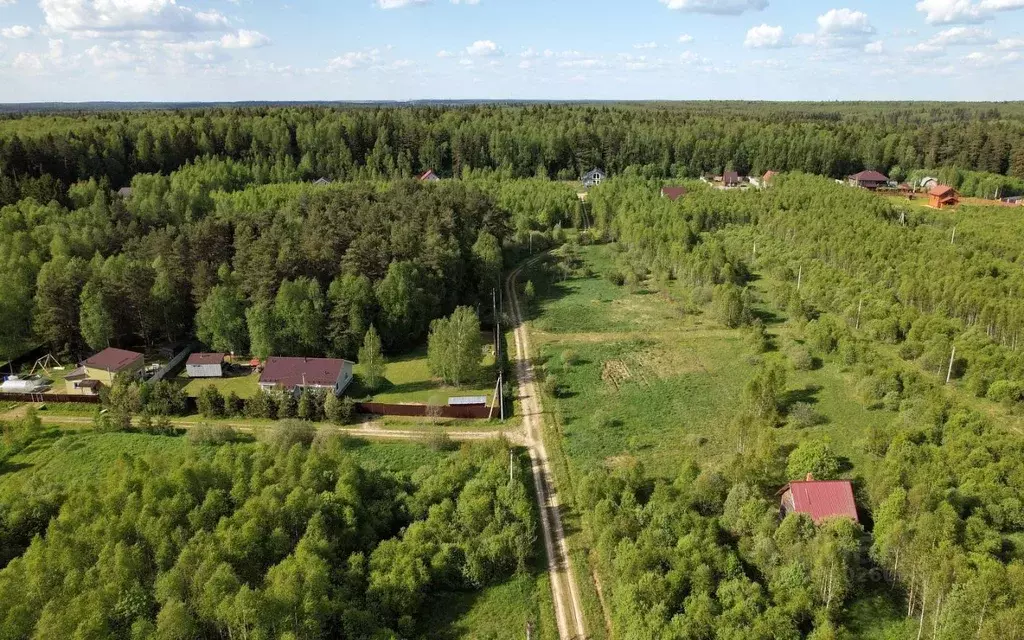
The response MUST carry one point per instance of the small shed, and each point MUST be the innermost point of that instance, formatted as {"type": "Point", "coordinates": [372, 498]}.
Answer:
{"type": "Point", "coordinates": [943, 196]}
{"type": "Point", "coordinates": [205, 365]}
{"type": "Point", "coordinates": [429, 176]}
{"type": "Point", "coordinates": [322, 182]}
{"type": "Point", "coordinates": [730, 179]}
{"type": "Point", "coordinates": [125, 192]}
{"type": "Point", "coordinates": [593, 177]}
{"type": "Point", "coordinates": [820, 499]}
{"type": "Point", "coordinates": [929, 182]}
{"type": "Point", "coordinates": [767, 177]}
{"type": "Point", "coordinates": [467, 401]}
{"type": "Point", "coordinates": [673, 193]}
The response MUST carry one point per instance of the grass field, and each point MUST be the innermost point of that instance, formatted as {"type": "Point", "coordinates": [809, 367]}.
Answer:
{"type": "Point", "coordinates": [408, 381]}
{"type": "Point", "coordinates": [651, 382]}
{"type": "Point", "coordinates": [643, 376]}
{"type": "Point", "coordinates": [245, 386]}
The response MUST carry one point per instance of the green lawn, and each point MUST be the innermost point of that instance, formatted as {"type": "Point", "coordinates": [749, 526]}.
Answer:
{"type": "Point", "coordinates": [245, 386]}
{"type": "Point", "coordinates": [408, 381]}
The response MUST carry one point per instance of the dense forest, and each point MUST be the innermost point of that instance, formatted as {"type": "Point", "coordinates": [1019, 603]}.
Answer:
{"type": "Point", "coordinates": [258, 541]}
{"type": "Point", "coordinates": [223, 238]}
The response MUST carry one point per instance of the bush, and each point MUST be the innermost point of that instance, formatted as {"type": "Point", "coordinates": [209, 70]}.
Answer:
{"type": "Point", "coordinates": [311, 405]}
{"type": "Point", "coordinates": [815, 457]}
{"type": "Point", "coordinates": [803, 415]}
{"type": "Point", "coordinates": [233, 405]}
{"type": "Point", "coordinates": [441, 441]}
{"type": "Point", "coordinates": [287, 406]}
{"type": "Point", "coordinates": [261, 405]}
{"type": "Point", "coordinates": [801, 358]}
{"type": "Point", "coordinates": [210, 434]}
{"type": "Point", "coordinates": [210, 402]}
{"type": "Point", "coordinates": [339, 410]}
{"type": "Point", "coordinates": [569, 358]}
{"type": "Point", "coordinates": [552, 385]}
{"type": "Point", "coordinates": [286, 433]}
{"type": "Point", "coordinates": [1005, 391]}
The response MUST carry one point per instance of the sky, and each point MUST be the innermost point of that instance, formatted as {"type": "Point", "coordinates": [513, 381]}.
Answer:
{"type": "Point", "coordinates": [236, 50]}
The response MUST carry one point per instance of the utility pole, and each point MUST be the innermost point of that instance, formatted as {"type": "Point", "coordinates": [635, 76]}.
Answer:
{"type": "Point", "coordinates": [529, 631]}
{"type": "Point", "coordinates": [510, 478]}
{"type": "Point", "coordinates": [859, 305]}
{"type": "Point", "coordinates": [800, 278]}
{"type": "Point", "coordinates": [952, 238]}
{"type": "Point", "coordinates": [753, 256]}
{"type": "Point", "coordinates": [949, 372]}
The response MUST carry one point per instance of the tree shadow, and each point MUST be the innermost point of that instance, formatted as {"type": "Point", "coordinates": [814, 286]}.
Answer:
{"type": "Point", "coordinates": [807, 395]}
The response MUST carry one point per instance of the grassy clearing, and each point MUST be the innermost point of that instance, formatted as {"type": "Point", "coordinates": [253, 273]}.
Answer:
{"type": "Point", "coordinates": [408, 381]}
{"type": "Point", "coordinates": [245, 386]}
{"type": "Point", "coordinates": [640, 378]}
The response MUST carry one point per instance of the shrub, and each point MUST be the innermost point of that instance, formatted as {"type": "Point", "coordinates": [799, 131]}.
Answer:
{"type": "Point", "coordinates": [233, 405]}
{"type": "Point", "coordinates": [210, 402]}
{"type": "Point", "coordinates": [261, 405]}
{"type": "Point", "coordinates": [815, 457]}
{"type": "Point", "coordinates": [287, 406]}
{"type": "Point", "coordinates": [803, 415]}
{"type": "Point", "coordinates": [441, 441]}
{"type": "Point", "coordinates": [286, 433]}
{"type": "Point", "coordinates": [1005, 391]}
{"type": "Point", "coordinates": [210, 434]}
{"type": "Point", "coordinates": [801, 358]}
{"type": "Point", "coordinates": [569, 358]}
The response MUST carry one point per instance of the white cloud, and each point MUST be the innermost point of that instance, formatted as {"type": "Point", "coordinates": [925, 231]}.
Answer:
{"type": "Point", "coordinates": [353, 60]}
{"type": "Point", "coordinates": [484, 49]}
{"type": "Point", "coordinates": [95, 17]}
{"type": "Point", "coordinates": [1006, 44]}
{"type": "Point", "coordinates": [399, 4]}
{"type": "Point", "coordinates": [16, 32]}
{"type": "Point", "coordinates": [844, 21]}
{"type": "Point", "coordinates": [839, 28]}
{"type": "Point", "coordinates": [953, 36]}
{"type": "Point", "coordinates": [244, 39]}
{"type": "Point", "coordinates": [444, 53]}
{"type": "Point", "coordinates": [685, 39]}
{"type": "Point", "coordinates": [875, 47]}
{"type": "Point", "coordinates": [964, 11]}
{"type": "Point", "coordinates": [646, 45]}
{"type": "Point", "coordinates": [469, 2]}
{"type": "Point", "coordinates": [718, 7]}
{"type": "Point", "coordinates": [764, 36]}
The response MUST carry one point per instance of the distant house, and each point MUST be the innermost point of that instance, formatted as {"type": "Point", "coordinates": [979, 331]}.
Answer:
{"type": "Point", "coordinates": [205, 365]}
{"type": "Point", "coordinates": [321, 182]}
{"type": "Point", "coordinates": [429, 176]}
{"type": "Point", "coordinates": [942, 196]}
{"type": "Point", "coordinates": [125, 192]}
{"type": "Point", "coordinates": [730, 179]}
{"type": "Point", "coordinates": [820, 499]}
{"type": "Point", "coordinates": [593, 178]}
{"type": "Point", "coordinates": [1013, 201]}
{"type": "Point", "coordinates": [78, 383]}
{"type": "Point", "coordinates": [107, 364]}
{"type": "Point", "coordinates": [868, 180]}
{"type": "Point", "coordinates": [928, 182]}
{"type": "Point", "coordinates": [673, 193]}
{"type": "Point", "coordinates": [767, 177]}
{"type": "Point", "coordinates": [296, 374]}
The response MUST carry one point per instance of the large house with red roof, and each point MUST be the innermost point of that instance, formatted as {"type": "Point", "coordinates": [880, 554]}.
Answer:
{"type": "Point", "coordinates": [868, 180]}
{"type": "Point", "coordinates": [297, 374]}
{"type": "Point", "coordinates": [820, 499]}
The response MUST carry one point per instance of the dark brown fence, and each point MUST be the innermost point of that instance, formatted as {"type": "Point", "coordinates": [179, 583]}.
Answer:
{"type": "Point", "coordinates": [420, 410]}
{"type": "Point", "coordinates": [48, 397]}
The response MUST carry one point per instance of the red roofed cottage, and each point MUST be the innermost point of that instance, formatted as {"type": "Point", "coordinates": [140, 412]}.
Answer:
{"type": "Point", "coordinates": [296, 374]}
{"type": "Point", "coordinates": [820, 499]}
{"type": "Point", "coordinates": [868, 180]}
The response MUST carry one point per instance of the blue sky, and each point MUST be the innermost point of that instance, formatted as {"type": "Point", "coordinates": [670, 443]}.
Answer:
{"type": "Point", "coordinates": [169, 50]}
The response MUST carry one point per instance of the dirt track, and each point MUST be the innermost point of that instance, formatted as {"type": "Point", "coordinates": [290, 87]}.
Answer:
{"type": "Point", "coordinates": [568, 610]}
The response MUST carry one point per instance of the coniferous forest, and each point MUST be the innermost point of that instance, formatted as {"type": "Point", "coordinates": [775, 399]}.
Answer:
{"type": "Point", "coordinates": [146, 228]}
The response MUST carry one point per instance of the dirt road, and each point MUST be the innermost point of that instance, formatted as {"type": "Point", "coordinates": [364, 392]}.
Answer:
{"type": "Point", "coordinates": [568, 610]}
{"type": "Point", "coordinates": [365, 430]}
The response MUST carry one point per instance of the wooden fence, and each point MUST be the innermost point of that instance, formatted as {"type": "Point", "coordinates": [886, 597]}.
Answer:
{"type": "Point", "coordinates": [420, 410]}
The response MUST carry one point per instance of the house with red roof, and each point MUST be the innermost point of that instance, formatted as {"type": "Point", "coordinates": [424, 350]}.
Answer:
{"type": "Point", "coordinates": [107, 364]}
{"type": "Point", "coordinates": [673, 193]}
{"type": "Point", "coordinates": [868, 180]}
{"type": "Point", "coordinates": [943, 196]}
{"type": "Point", "coordinates": [820, 499]}
{"type": "Point", "coordinates": [294, 375]}
{"type": "Point", "coordinates": [205, 365]}
{"type": "Point", "coordinates": [428, 176]}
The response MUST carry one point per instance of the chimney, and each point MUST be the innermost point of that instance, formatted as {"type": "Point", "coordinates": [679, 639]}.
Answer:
{"type": "Point", "coordinates": [810, 477]}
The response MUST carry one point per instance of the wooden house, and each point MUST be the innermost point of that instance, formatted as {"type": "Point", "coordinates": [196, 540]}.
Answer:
{"type": "Point", "coordinates": [943, 196]}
